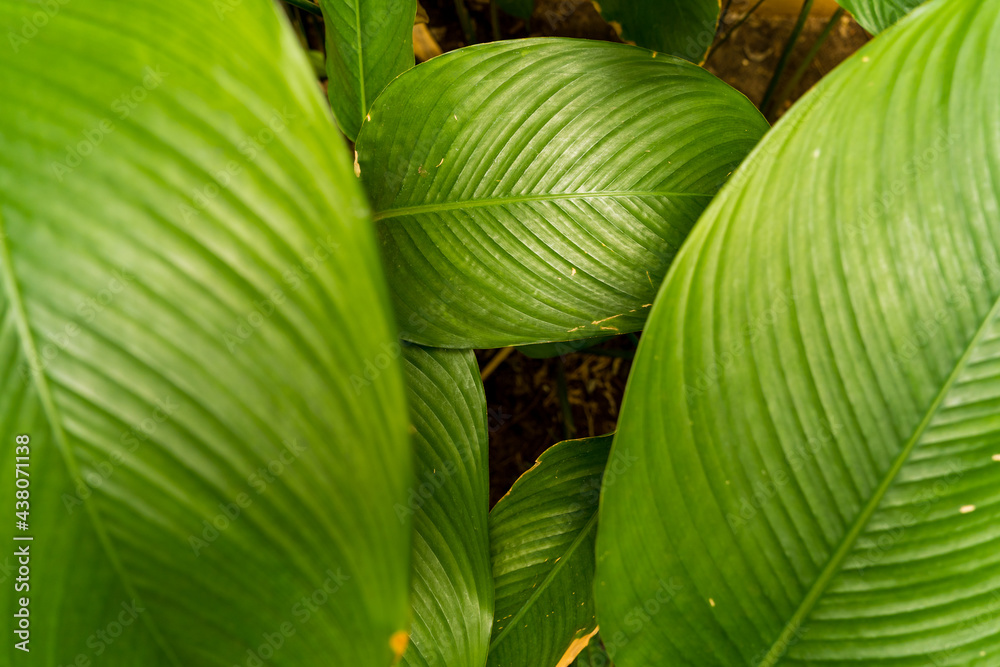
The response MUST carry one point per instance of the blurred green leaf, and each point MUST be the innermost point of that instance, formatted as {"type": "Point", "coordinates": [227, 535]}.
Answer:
{"type": "Point", "coordinates": [190, 304]}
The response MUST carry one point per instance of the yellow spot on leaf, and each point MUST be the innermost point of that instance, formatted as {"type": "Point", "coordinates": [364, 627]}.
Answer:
{"type": "Point", "coordinates": [711, 602]}
{"type": "Point", "coordinates": [574, 649]}
{"type": "Point", "coordinates": [967, 508]}
{"type": "Point", "coordinates": [398, 643]}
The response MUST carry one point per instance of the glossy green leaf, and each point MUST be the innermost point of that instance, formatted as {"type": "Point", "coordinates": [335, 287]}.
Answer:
{"type": "Point", "coordinates": [452, 582]}
{"type": "Point", "coordinates": [542, 540]}
{"type": "Point", "coordinates": [368, 44]}
{"type": "Point", "coordinates": [189, 297]}
{"type": "Point", "coordinates": [684, 28]}
{"type": "Point", "coordinates": [536, 190]}
{"type": "Point", "coordinates": [815, 399]}
{"type": "Point", "coordinates": [877, 15]}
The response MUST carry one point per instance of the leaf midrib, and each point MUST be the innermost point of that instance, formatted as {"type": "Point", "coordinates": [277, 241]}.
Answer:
{"type": "Point", "coordinates": [549, 578]}
{"type": "Point", "coordinates": [519, 199]}
{"type": "Point", "coordinates": [52, 416]}
{"type": "Point", "coordinates": [832, 567]}
{"type": "Point", "coordinates": [361, 60]}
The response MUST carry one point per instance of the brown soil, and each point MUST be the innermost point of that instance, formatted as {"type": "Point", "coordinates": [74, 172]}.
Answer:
{"type": "Point", "coordinates": [524, 409]}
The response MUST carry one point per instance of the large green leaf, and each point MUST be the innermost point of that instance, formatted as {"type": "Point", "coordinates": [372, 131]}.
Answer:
{"type": "Point", "coordinates": [452, 582]}
{"type": "Point", "coordinates": [684, 28]}
{"type": "Point", "coordinates": [877, 15]}
{"type": "Point", "coordinates": [542, 540]}
{"type": "Point", "coordinates": [368, 43]}
{"type": "Point", "coordinates": [536, 190]}
{"type": "Point", "coordinates": [188, 284]}
{"type": "Point", "coordinates": [815, 399]}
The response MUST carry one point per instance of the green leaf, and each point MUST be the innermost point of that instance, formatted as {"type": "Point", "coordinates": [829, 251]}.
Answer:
{"type": "Point", "coordinates": [549, 350]}
{"type": "Point", "coordinates": [877, 15]}
{"type": "Point", "coordinates": [190, 307]}
{"type": "Point", "coordinates": [522, 9]}
{"type": "Point", "coordinates": [536, 190]}
{"type": "Point", "coordinates": [542, 540]}
{"type": "Point", "coordinates": [452, 582]}
{"type": "Point", "coordinates": [683, 28]}
{"type": "Point", "coordinates": [593, 655]}
{"type": "Point", "coordinates": [368, 44]}
{"type": "Point", "coordinates": [815, 398]}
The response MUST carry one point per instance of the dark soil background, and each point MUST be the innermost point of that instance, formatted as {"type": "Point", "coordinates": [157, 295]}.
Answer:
{"type": "Point", "coordinates": [534, 403]}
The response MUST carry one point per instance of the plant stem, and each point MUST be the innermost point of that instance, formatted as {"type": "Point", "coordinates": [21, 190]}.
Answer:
{"type": "Point", "coordinates": [495, 21]}
{"type": "Point", "coordinates": [789, 87]}
{"type": "Point", "coordinates": [736, 27]}
{"type": "Point", "coordinates": [785, 55]}
{"type": "Point", "coordinates": [307, 5]}
{"type": "Point", "coordinates": [567, 410]}
{"type": "Point", "coordinates": [463, 18]}
{"type": "Point", "coordinates": [495, 362]}
{"type": "Point", "coordinates": [725, 11]}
